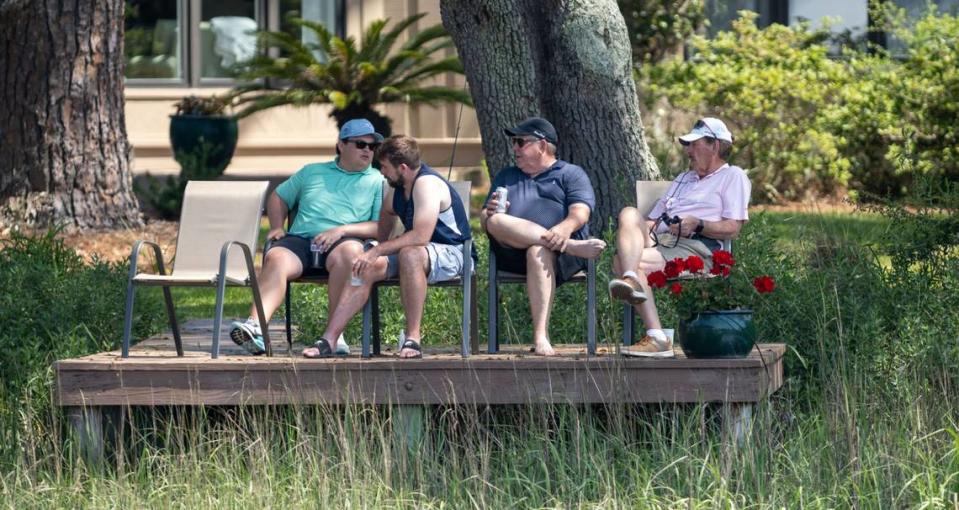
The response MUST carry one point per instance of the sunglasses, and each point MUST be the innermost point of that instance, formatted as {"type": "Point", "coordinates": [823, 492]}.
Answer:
{"type": "Point", "coordinates": [360, 144]}
{"type": "Point", "coordinates": [702, 124]}
{"type": "Point", "coordinates": [521, 142]}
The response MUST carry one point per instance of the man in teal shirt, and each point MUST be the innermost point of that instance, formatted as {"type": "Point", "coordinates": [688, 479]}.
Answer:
{"type": "Point", "coordinates": [337, 206]}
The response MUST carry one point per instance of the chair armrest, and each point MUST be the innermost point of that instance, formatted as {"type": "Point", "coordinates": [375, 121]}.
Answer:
{"type": "Point", "coordinates": [135, 256]}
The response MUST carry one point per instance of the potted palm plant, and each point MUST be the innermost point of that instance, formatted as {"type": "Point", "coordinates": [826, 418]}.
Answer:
{"type": "Point", "coordinates": [351, 77]}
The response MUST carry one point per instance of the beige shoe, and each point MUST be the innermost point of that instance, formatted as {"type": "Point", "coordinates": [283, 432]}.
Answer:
{"type": "Point", "coordinates": [649, 347]}
{"type": "Point", "coordinates": [627, 289]}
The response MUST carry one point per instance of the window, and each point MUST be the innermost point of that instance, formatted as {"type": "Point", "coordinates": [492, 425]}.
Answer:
{"type": "Point", "coordinates": [152, 40]}
{"type": "Point", "coordinates": [916, 9]}
{"type": "Point", "coordinates": [722, 13]}
{"type": "Point", "coordinates": [194, 43]}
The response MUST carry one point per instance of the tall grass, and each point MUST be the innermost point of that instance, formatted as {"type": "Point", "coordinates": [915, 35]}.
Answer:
{"type": "Point", "coordinates": [868, 416]}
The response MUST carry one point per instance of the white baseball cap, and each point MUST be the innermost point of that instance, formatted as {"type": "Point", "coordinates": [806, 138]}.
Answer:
{"type": "Point", "coordinates": [707, 127]}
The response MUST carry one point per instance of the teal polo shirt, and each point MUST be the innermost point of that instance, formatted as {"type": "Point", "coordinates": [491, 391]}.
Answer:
{"type": "Point", "coordinates": [327, 196]}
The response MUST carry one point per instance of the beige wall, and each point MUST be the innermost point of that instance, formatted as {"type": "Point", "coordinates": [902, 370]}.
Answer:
{"type": "Point", "coordinates": [281, 140]}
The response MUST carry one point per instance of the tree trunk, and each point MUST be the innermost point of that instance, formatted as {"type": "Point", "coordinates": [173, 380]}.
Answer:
{"type": "Point", "coordinates": [64, 155]}
{"type": "Point", "coordinates": [568, 61]}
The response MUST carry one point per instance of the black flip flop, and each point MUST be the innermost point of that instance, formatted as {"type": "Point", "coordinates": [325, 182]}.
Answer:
{"type": "Point", "coordinates": [323, 345]}
{"type": "Point", "coordinates": [413, 346]}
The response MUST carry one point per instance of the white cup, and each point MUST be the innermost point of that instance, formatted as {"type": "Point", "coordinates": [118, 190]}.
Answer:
{"type": "Point", "coordinates": [669, 334]}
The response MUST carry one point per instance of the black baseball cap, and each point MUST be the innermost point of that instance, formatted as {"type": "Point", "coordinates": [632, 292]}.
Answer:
{"type": "Point", "coordinates": [534, 126]}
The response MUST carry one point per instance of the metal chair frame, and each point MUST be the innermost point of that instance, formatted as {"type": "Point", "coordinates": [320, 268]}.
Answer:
{"type": "Point", "coordinates": [220, 280]}
{"type": "Point", "coordinates": [497, 277]}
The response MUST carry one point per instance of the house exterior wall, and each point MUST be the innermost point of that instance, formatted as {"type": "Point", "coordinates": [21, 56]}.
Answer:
{"type": "Point", "coordinates": [280, 140]}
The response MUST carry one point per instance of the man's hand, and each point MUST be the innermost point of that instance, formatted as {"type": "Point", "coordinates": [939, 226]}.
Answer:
{"type": "Point", "coordinates": [688, 226]}
{"type": "Point", "coordinates": [325, 240]}
{"type": "Point", "coordinates": [365, 261]}
{"type": "Point", "coordinates": [491, 206]}
{"type": "Point", "coordinates": [555, 238]}
{"type": "Point", "coordinates": [276, 234]}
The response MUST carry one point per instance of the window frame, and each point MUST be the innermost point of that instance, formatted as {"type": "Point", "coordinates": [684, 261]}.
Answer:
{"type": "Point", "coordinates": [189, 15]}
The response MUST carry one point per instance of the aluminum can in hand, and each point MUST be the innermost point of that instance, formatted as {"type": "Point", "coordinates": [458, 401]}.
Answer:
{"type": "Point", "coordinates": [501, 194]}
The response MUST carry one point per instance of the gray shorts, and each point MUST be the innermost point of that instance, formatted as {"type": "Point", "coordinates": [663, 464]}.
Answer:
{"type": "Point", "coordinates": [684, 249]}
{"type": "Point", "coordinates": [446, 262]}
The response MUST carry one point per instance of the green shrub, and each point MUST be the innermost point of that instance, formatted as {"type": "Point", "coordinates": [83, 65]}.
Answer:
{"type": "Point", "coordinates": [55, 306]}
{"type": "Point", "coordinates": [808, 123]}
{"type": "Point", "coordinates": [658, 27]}
{"type": "Point", "coordinates": [767, 85]}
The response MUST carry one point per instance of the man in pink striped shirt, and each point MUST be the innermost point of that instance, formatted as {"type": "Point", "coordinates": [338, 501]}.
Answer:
{"type": "Point", "coordinates": [704, 206]}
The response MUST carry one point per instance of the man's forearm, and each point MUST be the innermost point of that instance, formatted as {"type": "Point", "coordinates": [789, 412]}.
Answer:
{"type": "Point", "coordinates": [722, 229]}
{"type": "Point", "coordinates": [575, 220]}
{"type": "Point", "coordinates": [410, 238]}
{"type": "Point", "coordinates": [363, 230]}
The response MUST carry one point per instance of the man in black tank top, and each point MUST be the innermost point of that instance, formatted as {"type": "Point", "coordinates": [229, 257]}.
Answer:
{"type": "Point", "coordinates": [430, 250]}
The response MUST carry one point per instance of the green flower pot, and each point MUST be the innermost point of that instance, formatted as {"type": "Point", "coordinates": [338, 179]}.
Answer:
{"type": "Point", "coordinates": [202, 144]}
{"type": "Point", "coordinates": [725, 334]}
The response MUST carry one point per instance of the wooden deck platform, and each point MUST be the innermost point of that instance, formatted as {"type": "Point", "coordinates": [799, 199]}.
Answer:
{"type": "Point", "coordinates": [154, 376]}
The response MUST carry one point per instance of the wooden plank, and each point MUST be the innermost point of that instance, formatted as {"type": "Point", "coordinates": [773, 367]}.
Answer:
{"type": "Point", "coordinates": [154, 375]}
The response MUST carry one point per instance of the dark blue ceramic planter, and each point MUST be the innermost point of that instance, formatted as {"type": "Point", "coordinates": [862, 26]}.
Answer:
{"type": "Point", "coordinates": [211, 137]}
{"type": "Point", "coordinates": [725, 334]}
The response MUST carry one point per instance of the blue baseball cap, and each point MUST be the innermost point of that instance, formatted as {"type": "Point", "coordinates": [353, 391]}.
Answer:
{"type": "Point", "coordinates": [359, 127]}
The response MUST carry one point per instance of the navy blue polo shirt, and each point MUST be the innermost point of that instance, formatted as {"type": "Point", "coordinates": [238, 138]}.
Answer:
{"type": "Point", "coordinates": [545, 199]}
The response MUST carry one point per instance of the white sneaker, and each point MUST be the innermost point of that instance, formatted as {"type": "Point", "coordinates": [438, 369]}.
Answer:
{"type": "Point", "coordinates": [342, 349]}
{"type": "Point", "coordinates": [248, 336]}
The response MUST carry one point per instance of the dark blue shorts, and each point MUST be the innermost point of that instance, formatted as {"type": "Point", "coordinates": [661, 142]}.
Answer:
{"type": "Point", "coordinates": [300, 246]}
{"type": "Point", "coordinates": [513, 260]}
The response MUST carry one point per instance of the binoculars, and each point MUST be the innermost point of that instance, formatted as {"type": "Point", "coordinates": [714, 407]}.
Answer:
{"type": "Point", "coordinates": [675, 220]}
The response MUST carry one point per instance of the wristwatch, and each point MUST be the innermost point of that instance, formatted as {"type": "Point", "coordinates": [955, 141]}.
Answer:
{"type": "Point", "coordinates": [700, 227]}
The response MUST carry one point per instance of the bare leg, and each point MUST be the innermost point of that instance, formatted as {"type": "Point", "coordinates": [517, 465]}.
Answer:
{"type": "Point", "coordinates": [414, 265]}
{"type": "Point", "coordinates": [279, 266]}
{"type": "Point", "coordinates": [521, 234]}
{"type": "Point", "coordinates": [352, 300]}
{"type": "Point", "coordinates": [635, 253]}
{"type": "Point", "coordinates": [541, 287]}
{"type": "Point", "coordinates": [339, 263]}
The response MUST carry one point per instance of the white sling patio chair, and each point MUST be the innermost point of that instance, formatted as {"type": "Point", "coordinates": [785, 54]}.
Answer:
{"type": "Point", "coordinates": [647, 193]}
{"type": "Point", "coordinates": [216, 216]}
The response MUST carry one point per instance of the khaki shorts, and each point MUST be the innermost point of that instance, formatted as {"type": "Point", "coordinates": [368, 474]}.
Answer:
{"type": "Point", "coordinates": [684, 249]}
{"type": "Point", "coordinates": [446, 262]}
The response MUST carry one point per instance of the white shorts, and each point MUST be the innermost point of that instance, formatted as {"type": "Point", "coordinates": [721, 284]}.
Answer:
{"type": "Point", "coordinates": [446, 262]}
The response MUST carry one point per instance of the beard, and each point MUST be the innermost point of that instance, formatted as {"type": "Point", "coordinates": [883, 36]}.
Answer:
{"type": "Point", "coordinates": [397, 184]}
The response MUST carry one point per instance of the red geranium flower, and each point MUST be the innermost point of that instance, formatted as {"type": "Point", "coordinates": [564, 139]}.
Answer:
{"type": "Point", "coordinates": [764, 284]}
{"type": "Point", "coordinates": [720, 270]}
{"type": "Point", "coordinates": [674, 268]}
{"type": "Point", "coordinates": [656, 279]}
{"type": "Point", "coordinates": [694, 264]}
{"type": "Point", "coordinates": [676, 288]}
{"type": "Point", "coordinates": [723, 258]}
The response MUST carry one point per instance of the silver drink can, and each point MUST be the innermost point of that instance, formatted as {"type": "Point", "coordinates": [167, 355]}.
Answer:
{"type": "Point", "coordinates": [501, 194]}
{"type": "Point", "coordinates": [316, 250]}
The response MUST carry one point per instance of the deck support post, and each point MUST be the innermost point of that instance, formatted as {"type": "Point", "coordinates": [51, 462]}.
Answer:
{"type": "Point", "coordinates": [408, 423]}
{"type": "Point", "coordinates": [86, 429]}
{"type": "Point", "coordinates": [737, 421]}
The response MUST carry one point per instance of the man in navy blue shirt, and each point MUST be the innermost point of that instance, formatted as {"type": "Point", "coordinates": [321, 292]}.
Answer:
{"type": "Point", "coordinates": [543, 233]}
